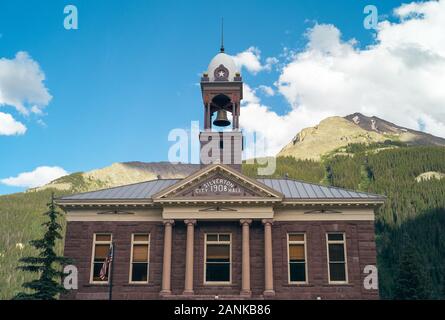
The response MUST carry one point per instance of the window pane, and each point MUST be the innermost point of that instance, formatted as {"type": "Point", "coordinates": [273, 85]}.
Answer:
{"type": "Point", "coordinates": [218, 272]}
{"type": "Point", "coordinates": [103, 237]}
{"type": "Point", "coordinates": [141, 237]}
{"type": "Point", "coordinates": [224, 237]}
{"type": "Point", "coordinates": [337, 271]}
{"type": "Point", "coordinates": [212, 237]}
{"type": "Point", "coordinates": [140, 253]}
{"type": "Point", "coordinates": [336, 253]}
{"type": "Point", "coordinates": [296, 252]}
{"type": "Point", "coordinates": [296, 237]}
{"type": "Point", "coordinates": [218, 252]}
{"type": "Point", "coordinates": [96, 272]}
{"type": "Point", "coordinates": [297, 272]}
{"type": "Point", "coordinates": [335, 236]}
{"type": "Point", "coordinates": [139, 272]}
{"type": "Point", "coordinates": [101, 251]}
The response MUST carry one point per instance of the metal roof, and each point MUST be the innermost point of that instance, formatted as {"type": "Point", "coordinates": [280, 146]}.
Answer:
{"type": "Point", "coordinates": [295, 189]}
{"type": "Point", "coordinates": [291, 189]}
{"type": "Point", "coordinates": [142, 190]}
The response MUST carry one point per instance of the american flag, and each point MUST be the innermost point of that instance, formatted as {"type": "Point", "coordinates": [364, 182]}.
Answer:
{"type": "Point", "coordinates": [103, 275]}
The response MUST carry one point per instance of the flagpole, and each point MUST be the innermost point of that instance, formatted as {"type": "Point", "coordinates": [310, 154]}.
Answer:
{"type": "Point", "coordinates": [110, 287]}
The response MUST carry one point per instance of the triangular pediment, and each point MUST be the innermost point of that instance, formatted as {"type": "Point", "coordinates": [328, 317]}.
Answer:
{"type": "Point", "coordinates": [218, 182]}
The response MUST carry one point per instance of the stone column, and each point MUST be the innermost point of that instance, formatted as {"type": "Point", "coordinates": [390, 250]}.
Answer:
{"type": "Point", "coordinates": [167, 263]}
{"type": "Point", "coordinates": [245, 284]}
{"type": "Point", "coordinates": [268, 265]}
{"type": "Point", "coordinates": [188, 286]}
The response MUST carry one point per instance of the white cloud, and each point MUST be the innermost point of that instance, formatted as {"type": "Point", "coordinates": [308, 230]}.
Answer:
{"type": "Point", "coordinates": [9, 126]}
{"type": "Point", "coordinates": [21, 84]}
{"type": "Point", "coordinates": [249, 96]}
{"type": "Point", "coordinates": [251, 60]}
{"type": "Point", "coordinates": [401, 77]}
{"type": "Point", "coordinates": [40, 176]}
{"type": "Point", "coordinates": [274, 129]}
{"type": "Point", "coordinates": [268, 91]}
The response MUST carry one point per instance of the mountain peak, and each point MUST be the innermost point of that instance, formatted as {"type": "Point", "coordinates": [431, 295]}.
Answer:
{"type": "Point", "coordinates": [336, 132]}
{"type": "Point", "coordinates": [381, 126]}
{"type": "Point", "coordinates": [375, 124]}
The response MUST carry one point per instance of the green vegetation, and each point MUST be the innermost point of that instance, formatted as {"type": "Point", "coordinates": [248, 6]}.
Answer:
{"type": "Point", "coordinates": [361, 147]}
{"type": "Point", "coordinates": [21, 217]}
{"type": "Point", "coordinates": [307, 170]}
{"type": "Point", "coordinates": [409, 227]}
{"type": "Point", "coordinates": [47, 265]}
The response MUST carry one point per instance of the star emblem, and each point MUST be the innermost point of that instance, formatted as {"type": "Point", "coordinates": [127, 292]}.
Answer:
{"type": "Point", "coordinates": [221, 73]}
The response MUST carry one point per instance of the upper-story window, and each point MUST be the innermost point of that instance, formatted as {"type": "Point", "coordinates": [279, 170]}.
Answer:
{"type": "Point", "coordinates": [217, 258]}
{"type": "Point", "coordinates": [140, 258]}
{"type": "Point", "coordinates": [297, 258]}
{"type": "Point", "coordinates": [337, 261]}
{"type": "Point", "coordinates": [101, 250]}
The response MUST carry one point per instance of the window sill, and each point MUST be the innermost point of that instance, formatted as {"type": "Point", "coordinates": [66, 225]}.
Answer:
{"type": "Point", "coordinates": [298, 285]}
{"type": "Point", "coordinates": [97, 284]}
{"type": "Point", "coordinates": [218, 284]}
{"type": "Point", "coordinates": [339, 285]}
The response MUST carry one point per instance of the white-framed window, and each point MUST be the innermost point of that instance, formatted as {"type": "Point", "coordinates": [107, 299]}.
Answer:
{"type": "Point", "coordinates": [297, 258]}
{"type": "Point", "coordinates": [101, 249]}
{"type": "Point", "coordinates": [337, 260]}
{"type": "Point", "coordinates": [218, 258]}
{"type": "Point", "coordinates": [140, 258]}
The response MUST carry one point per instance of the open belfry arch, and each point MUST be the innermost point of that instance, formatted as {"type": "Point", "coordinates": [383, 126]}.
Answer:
{"type": "Point", "coordinates": [219, 233]}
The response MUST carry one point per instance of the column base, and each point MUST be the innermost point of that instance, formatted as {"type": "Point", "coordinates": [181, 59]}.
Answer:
{"type": "Point", "coordinates": [246, 293]}
{"type": "Point", "coordinates": [188, 292]}
{"type": "Point", "coordinates": [165, 293]}
{"type": "Point", "coordinates": [269, 293]}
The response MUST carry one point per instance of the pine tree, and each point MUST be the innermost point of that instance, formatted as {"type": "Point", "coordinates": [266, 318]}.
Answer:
{"type": "Point", "coordinates": [411, 281]}
{"type": "Point", "coordinates": [47, 264]}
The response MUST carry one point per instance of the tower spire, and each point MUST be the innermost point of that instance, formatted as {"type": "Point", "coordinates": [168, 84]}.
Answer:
{"type": "Point", "coordinates": [222, 34]}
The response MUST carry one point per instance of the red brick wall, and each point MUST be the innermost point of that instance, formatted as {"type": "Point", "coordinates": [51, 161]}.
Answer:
{"type": "Point", "coordinates": [78, 245]}
{"type": "Point", "coordinates": [360, 244]}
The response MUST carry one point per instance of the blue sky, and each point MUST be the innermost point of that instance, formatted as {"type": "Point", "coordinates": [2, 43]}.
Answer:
{"type": "Point", "coordinates": [128, 75]}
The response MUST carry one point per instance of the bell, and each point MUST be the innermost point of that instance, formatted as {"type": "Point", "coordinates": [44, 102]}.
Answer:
{"type": "Point", "coordinates": [221, 119]}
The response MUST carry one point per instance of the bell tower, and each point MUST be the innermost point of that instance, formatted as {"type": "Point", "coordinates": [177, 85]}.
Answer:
{"type": "Point", "coordinates": [222, 92]}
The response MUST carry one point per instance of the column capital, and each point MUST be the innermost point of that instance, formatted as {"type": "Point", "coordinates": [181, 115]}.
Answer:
{"type": "Point", "coordinates": [245, 221]}
{"type": "Point", "coordinates": [267, 221]}
{"type": "Point", "coordinates": [189, 221]}
{"type": "Point", "coordinates": [170, 222]}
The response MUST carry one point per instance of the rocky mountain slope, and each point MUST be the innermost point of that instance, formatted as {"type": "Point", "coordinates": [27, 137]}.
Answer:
{"type": "Point", "coordinates": [334, 133]}
{"type": "Point", "coordinates": [119, 174]}
{"type": "Point", "coordinates": [409, 136]}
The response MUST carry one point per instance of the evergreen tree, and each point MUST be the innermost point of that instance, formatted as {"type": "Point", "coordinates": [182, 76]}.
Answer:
{"type": "Point", "coordinates": [411, 281]}
{"type": "Point", "coordinates": [47, 264]}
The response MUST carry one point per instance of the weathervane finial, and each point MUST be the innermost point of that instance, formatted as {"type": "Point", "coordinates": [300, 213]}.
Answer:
{"type": "Point", "coordinates": [222, 34]}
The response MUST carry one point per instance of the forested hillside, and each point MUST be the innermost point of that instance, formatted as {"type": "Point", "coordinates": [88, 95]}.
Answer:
{"type": "Point", "coordinates": [410, 226]}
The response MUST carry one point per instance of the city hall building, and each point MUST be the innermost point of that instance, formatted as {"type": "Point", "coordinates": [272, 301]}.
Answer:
{"type": "Point", "coordinates": [218, 233]}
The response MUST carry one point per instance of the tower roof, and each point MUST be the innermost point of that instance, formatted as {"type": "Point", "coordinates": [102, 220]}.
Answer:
{"type": "Point", "coordinates": [227, 62]}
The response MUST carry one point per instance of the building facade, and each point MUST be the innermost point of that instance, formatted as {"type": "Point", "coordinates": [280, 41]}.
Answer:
{"type": "Point", "coordinates": [218, 233]}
